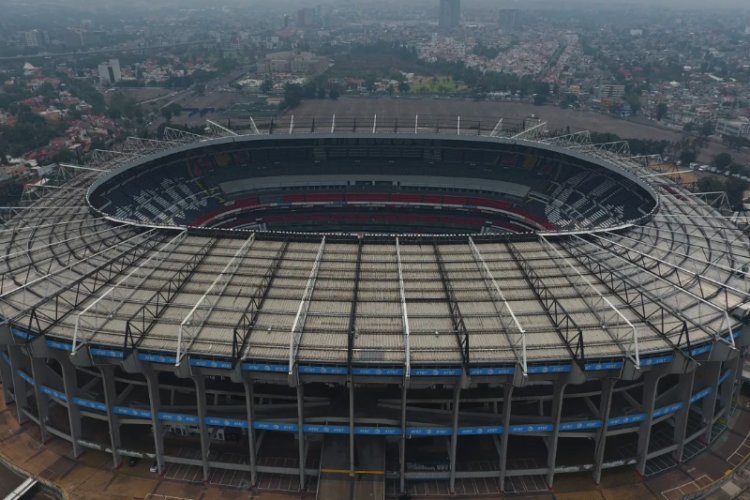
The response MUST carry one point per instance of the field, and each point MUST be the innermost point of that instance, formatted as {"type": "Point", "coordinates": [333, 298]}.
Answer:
{"type": "Point", "coordinates": [435, 85]}
{"type": "Point", "coordinates": [405, 109]}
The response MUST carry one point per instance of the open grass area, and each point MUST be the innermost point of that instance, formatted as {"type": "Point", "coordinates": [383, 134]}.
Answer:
{"type": "Point", "coordinates": [437, 85]}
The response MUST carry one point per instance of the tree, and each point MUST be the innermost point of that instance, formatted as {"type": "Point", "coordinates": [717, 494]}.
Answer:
{"type": "Point", "coordinates": [167, 114]}
{"type": "Point", "coordinates": [707, 128]}
{"type": "Point", "coordinates": [334, 93]}
{"type": "Point", "coordinates": [63, 156]}
{"type": "Point", "coordinates": [661, 111]}
{"type": "Point", "coordinates": [266, 86]}
{"type": "Point", "coordinates": [722, 161]}
{"type": "Point", "coordinates": [634, 100]}
{"type": "Point", "coordinates": [709, 184]}
{"type": "Point", "coordinates": [735, 189]}
{"type": "Point", "coordinates": [404, 87]}
{"type": "Point", "coordinates": [541, 92]}
{"type": "Point", "coordinates": [687, 156]}
{"type": "Point", "coordinates": [292, 95]}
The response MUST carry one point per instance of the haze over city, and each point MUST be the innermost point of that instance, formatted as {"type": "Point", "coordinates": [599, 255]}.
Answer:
{"type": "Point", "coordinates": [370, 250]}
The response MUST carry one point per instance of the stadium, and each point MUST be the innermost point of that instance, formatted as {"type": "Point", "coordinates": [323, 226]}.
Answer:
{"type": "Point", "coordinates": [394, 305]}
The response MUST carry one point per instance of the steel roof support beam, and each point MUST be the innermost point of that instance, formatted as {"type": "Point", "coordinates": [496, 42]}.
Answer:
{"type": "Point", "coordinates": [459, 327]}
{"type": "Point", "coordinates": [141, 147]}
{"type": "Point", "coordinates": [582, 137]}
{"type": "Point", "coordinates": [706, 264]}
{"type": "Point", "coordinates": [641, 258]}
{"type": "Point", "coordinates": [79, 167]}
{"type": "Point", "coordinates": [497, 129]}
{"type": "Point", "coordinates": [677, 307]}
{"type": "Point", "coordinates": [515, 333]}
{"type": "Point", "coordinates": [103, 310]}
{"type": "Point", "coordinates": [181, 136]}
{"type": "Point", "coordinates": [652, 307]}
{"type": "Point", "coordinates": [738, 240]}
{"type": "Point", "coordinates": [609, 316]}
{"type": "Point", "coordinates": [565, 326]}
{"type": "Point", "coordinates": [27, 251]}
{"type": "Point", "coordinates": [352, 331]}
{"type": "Point", "coordinates": [192, 325]}
{"type": "Point", "coordinates": [532, 132]}
{"type": "Point", "coordinates": [220, 130]}
{"type": "Point", "coordinates": [404, 312]}
{"type": "Point", "coordinates": [244, 326]}
{"type": "Point", "coordinates": [298, 328]}
{"type": "Point", "coordinates": [254, 127]}
{"type": "Point", "coordinates": [678, 235]}
{"type": "Point", "coordinates": [615, 148]}
{"type": "Point", "coordinates": [100, 275]}
{"type": "Point", "coordinates": [143, 320]}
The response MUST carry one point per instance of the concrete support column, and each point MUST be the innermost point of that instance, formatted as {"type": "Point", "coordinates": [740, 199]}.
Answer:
{"type": "Point", "coordinates": [39, 373]}
{"type": "Point", "coordinates": [154, 399]}
{"type": "Point", "coordinates": [70, 387]}
{"type": "Point", "coordinates": [712, 373]}
{"type": "Point", "coordinates": [250, 408]}
{"type": "Point", "coordinates": [352, 464]}
{"type": "Point", "coordinates": [507, 400]}
{"type": "Point", "coordinates": [650, 386]}
{"type": "Point", "coordinates": [557, 404]}
{"type": "Point", "coordinates": [301, 433]}
{"type": "Point", "coordinates": [200, 395]}
{"type": "Point", "coordinates": [681, 417]}
{"type": "Point", "coordinates": [605, 406]}
{"type": "Point", "coordinates": [726, 389]}
{"type": "Point", "coordinates": [110, 399]}
{"type": "Point", "coordinates": [20, 386]}
{"type": "Point", "coordinates": [454, 436]}
{"type": "Point", "coordinates": [402, 447]}
{"type": "Point", "coordinates": [738, 367]}
{"type": "Point", "coordinates": [5, 374]}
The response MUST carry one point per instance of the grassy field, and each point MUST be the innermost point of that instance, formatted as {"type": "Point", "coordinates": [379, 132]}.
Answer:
{"type": "Point", "coordinates": [437, 85]}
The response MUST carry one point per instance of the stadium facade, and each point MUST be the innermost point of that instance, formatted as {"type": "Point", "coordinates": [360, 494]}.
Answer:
{"type": "Point", "coordinates": [404, 303]}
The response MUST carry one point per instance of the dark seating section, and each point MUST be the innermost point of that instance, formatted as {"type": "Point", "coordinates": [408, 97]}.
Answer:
{"type": "Point", "coordinates": [413, 186]}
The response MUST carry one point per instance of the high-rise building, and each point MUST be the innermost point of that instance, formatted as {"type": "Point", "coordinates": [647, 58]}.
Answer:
{"type": "Point", "coordinates": [109, 72]}
{"type": "Point", "coordinates": [507, 19]}
{"type": "Point", "coordinates": [35, 38]}
{"type": "Point", "coordinates": [450, 13]}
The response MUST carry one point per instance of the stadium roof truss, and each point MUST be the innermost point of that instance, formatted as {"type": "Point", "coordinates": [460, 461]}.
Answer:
{"type": "Point", "coordinates": [565, 326]}
{"type": "Point", "coordinates": [404, 313]}
{"type": "Point", "coordinates": [512, 328]}
{"type": "Point", "coordinates": [298, 327]}
{"type": "Point", "coordinates": [142, 321]}
{"type": "Point", "coordinates": [192, 325]}
{"type": "Point", "coordinates": [94, 316]}
{"type": "Point", "coordinates": [619, 328]}
{"type": "Point", "coordinates": [249, 316]}
{"type": "Point", "coordinates": [674, 296]}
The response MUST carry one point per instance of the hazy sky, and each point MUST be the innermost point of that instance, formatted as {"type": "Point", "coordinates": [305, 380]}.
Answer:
{"type": "Point", "coordinates": [556, 4]}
